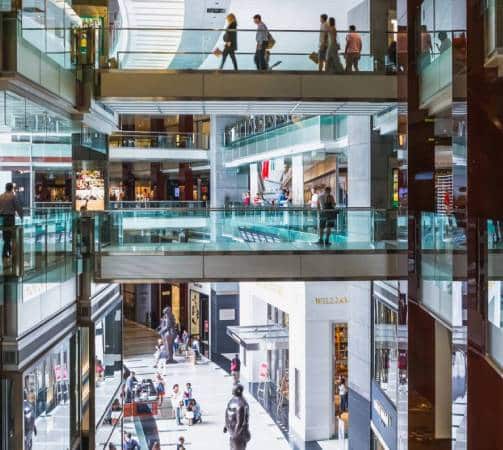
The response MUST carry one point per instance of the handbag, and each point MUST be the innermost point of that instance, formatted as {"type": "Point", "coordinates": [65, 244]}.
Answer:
{"type": "Point", "coordinates": [271, 42]}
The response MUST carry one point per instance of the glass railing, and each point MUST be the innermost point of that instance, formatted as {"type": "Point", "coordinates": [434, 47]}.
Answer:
{"type": "Point", "coordinates": [495, 294]}
{"type": "Point", "coordinates": [244, 229]}
{"type": "Point", "coordinates": [201, 49]}
{"type": "Point", "coordinates": [441, 57]}
{"type": "Point", "coordinates": [154, 204]}
{"type": "Point", "coordinates": [44, 54]}
{"type": "Point", "coordinates": [314, 131]}
{"type": "Point", "coordinates": [442, 245]}
{"type": "Point", "coordinates": [39, 266]}
{"type": "Point", "coordinates": [152, 141]}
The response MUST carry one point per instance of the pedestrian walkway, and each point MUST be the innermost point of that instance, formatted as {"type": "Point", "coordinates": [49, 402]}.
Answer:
{"type": "Point", "coordinates": [212, 389]}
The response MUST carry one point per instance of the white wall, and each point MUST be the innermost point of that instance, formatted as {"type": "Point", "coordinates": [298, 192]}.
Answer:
{"type": "Point", "coordinates": [313, 309]}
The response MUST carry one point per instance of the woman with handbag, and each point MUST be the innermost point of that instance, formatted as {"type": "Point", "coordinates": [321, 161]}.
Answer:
{"type": "Point", "coordinates": [230, 41]}
{"type": "Point", "coordinates": [334, 64]}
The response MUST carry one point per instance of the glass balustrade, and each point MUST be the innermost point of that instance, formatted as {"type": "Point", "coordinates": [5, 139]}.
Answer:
{"type": "Point", "coordinates": [442, 246]}
{"type": "Point", "coordinates": [153, 141]}
{"type": "Point", "coordinates": [66, 40]}
{"type": "Point", "coordinates": [242, 229]}
{"type": "Point", "coordinates": [312, 132]}
{"type": "Point", "coordinates": [442, 56]}
{"type": "Point", "coordinates": [153, 204]}
{"type": "Point", "coordinates": [39, 267]}
{"type": "Point", "coordinates": [495, 292]}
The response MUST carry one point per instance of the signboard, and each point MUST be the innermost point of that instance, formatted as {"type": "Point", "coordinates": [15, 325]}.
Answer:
{"type": "Point", "coordinates": [194, 313]}
{"type": "Point", "coordinates": [331, 300]}
{"type": "Point", "coordinates": [227, 315]}
{"type": "Point", "coordinates": [90, 190]}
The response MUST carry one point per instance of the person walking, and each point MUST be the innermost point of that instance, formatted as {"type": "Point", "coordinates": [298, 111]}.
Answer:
{"type": "Point", "coordinates": [9, 206]}
{"type": "Point", "coordinates": [176, 400]}
{"type": "Point", "coordinates": [261, 38]}
{"type": "Point", "coordinates": [322, 51]}
{"type": "Point", "coordinates": [160, 387]}
{"type": "Point", "coordinates": [130, 443]}
{"type": "Point", "coordinates": [181, 443]}
{"type": "Point", "coordinates": [343, 393]}
{"type": "Point", "coordinates": [230, 41]}
{"type": "Point", "coordinates": [426, 47]}
{"type": "Point", "coordinates": [235, 368]}
{"type": "Point", "coordinates": [333, 64]}
{"type": "Point", "coordinates": [353, 49]}
{"type": "Point", "coordinates": [326, 206]}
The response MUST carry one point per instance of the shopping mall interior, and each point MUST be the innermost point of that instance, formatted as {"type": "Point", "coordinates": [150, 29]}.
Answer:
{"type": "Point", "coordinates": [245, 224]}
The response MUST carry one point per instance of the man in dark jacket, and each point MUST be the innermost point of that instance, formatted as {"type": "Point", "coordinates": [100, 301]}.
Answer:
{"type": "Point", "coordinates": [9, 206]}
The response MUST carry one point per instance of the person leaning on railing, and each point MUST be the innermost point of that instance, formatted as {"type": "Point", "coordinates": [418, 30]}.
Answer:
{"type": "Point", "coordinates": [9, 206]}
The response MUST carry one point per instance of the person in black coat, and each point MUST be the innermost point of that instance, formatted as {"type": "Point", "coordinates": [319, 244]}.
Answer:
{"type": "Point", "coordinates": [230, 41]}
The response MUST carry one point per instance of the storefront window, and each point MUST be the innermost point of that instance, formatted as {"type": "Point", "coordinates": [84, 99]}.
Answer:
{"type": "Point", "coordinates": [495, 316]}
{"type": "Point", "coordinates": [108, 359]}
{"type": "Point", "coordinates": [46, 405]}
{"type": "Point", "coordinates": [385, 367]}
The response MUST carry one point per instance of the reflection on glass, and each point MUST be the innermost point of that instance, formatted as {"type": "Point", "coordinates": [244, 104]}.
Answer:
{"type": "Point", "coordinates": [108, 359]}
{"type": "Point", "coordinates": [386, 349]}
{"type": "Point", "coordinates": [46, 406]}
{"type": "Point", "coordinates": [495, 317]}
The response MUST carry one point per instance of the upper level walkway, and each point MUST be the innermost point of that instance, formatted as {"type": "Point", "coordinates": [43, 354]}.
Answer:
{"type": "Point", "coordinates": [119, 87]}
{"type": "Point", "coordinates": [189, 66]}
{"type": "Point", "coordinates": [238, 244]}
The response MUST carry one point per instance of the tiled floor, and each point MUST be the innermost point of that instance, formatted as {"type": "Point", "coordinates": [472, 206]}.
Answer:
{"type": "Point", "coordinates": [53, 430]}
{"type": "Point", "coordinates": [212, 389]}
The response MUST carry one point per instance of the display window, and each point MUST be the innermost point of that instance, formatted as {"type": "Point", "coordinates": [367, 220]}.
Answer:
{"type": "Point", "coordinates": [107, 359]}
{"type": "Point", "coordinates": [387, 359]}
{"type": "Point", "coordinates": [340, 372]}
{"type": "Point", "coordinates": [46, 404]}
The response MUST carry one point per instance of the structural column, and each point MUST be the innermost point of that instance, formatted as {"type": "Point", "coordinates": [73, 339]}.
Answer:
{"type": "Point", "coordinates": [225, 184]}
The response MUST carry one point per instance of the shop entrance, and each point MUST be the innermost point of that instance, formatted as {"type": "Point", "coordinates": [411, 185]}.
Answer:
{"type": "Point", "coordinates": [340, 380]}
{"type": "Point", "coordinates": [200, 320]}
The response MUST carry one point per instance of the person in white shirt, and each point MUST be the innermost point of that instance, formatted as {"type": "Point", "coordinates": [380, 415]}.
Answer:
{"type": "Point", "coordinates": [176, 400]}
{"type": "Point", "coordinates": [343, 393]}
{"type": "Point", "coordinates": [314, 198]}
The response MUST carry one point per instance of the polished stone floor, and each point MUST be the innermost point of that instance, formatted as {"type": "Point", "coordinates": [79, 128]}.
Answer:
{"type": "Point", "coordinates": [211, 388]}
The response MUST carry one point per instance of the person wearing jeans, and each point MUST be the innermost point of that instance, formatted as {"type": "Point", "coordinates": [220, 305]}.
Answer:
{"type": "Point", "coordinates": [230, 41]}
{"type": "Point", "coordinates": [261, 39]}
{"type": "Point", "coordinates": [353, 49]}
{"type": "Point", "coordinates": [9, 206]}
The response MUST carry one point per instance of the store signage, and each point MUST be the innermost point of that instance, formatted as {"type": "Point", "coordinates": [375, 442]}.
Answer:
{"type": "Point", "coordinates": [331, 300]}
{"type": "Point", "coordinates": [227, 314]}
{"type": "Point", "coordinates": [382, 413]}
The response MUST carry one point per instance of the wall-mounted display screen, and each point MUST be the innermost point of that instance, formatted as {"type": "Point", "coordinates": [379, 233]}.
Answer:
{"type": "Point", "coordinates": [90, 190]}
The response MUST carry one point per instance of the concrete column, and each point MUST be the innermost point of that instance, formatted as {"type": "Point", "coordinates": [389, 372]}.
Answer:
{"type": "Point", "coordinates": [359, 177]}
{"type": "Point", "coordinates": [224, 183]}
{"type": "Point", "coordinates": [359, 364]}
{"type": "Point", "coordinates": [297, 180]}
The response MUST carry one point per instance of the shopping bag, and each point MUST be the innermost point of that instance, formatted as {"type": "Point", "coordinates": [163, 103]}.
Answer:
{"type": "Point", "coordinates": [314, 57]}
{"type": "Point", "coordinates": [217, 52]}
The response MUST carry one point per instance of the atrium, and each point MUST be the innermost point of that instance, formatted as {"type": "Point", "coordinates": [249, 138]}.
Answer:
{"type": "Point", "coordinates": [250, 224]}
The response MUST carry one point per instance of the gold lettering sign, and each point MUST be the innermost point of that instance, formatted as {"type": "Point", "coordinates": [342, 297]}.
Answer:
{"type": "Point", "coordinates": [331, 300]}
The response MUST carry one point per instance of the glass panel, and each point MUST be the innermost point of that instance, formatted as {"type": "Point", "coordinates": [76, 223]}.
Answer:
{"type": "Point", "coordinates": [47, 405]}
{"type": "Point", "coordinates": [108, 360]}
{"type": "Point", "coordinates": [247, 229]}
{"type": "Point", "coordinates": [385, 370]}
